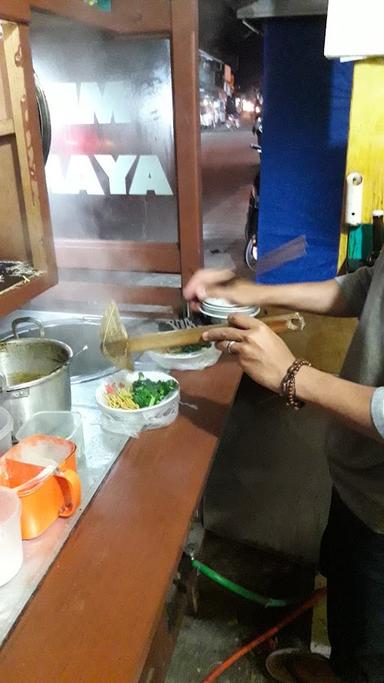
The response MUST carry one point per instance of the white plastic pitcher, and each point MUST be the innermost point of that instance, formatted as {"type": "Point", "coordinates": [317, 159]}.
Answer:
{"type": "Point", "coordinates": [11, 547]}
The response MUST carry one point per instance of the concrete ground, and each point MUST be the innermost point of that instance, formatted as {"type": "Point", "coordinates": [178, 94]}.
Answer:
{"type": "Point", "coordinates": [225, 622]}
{"type": "Point", "coordinates": [228, 168]}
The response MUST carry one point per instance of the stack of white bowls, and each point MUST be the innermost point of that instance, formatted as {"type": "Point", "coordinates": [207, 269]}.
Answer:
{"type": "Point", "coordinates": [218, 310]}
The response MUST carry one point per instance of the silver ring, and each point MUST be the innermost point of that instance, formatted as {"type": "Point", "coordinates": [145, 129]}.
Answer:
{"type": "Point", "coordinates": [228, 346]}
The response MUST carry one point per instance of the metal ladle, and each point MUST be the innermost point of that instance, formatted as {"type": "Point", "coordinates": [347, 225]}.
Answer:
{"type": "Point", "coordinates": [75, 355]}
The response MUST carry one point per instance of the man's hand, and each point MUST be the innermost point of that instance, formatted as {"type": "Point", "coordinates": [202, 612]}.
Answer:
{"type": "Point", "coordinates": [222, 284]}
{"type": "Point", "coordinates": [266, 359]}
{"type": "Point", "coordinates": [260, 352]}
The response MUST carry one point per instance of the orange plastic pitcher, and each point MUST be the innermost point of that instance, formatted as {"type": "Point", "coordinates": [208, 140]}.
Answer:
{"type": "Point", "coordinates": [42, 471]}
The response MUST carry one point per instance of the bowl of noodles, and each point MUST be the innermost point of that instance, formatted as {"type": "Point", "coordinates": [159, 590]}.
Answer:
{"type": "Point", "coordinates": [133, 401]}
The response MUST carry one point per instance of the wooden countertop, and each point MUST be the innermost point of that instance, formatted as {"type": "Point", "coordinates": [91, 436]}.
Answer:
{"type": "Point", "coordinates": [96, 611]}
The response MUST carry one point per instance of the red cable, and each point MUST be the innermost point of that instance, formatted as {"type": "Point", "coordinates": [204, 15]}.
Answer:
{"type": "Point", "coordinates": [310, 602]}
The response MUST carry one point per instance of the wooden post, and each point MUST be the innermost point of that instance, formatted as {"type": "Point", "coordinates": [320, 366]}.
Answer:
{"type": "Point", "coordinates": [187, 133]}
{"type": "Point", "coordinates": [28, 141]}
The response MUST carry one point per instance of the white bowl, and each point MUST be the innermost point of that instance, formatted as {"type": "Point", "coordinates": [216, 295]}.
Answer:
{"type": "Point", "coordinates": [221, 312]}
{"type": "Point", "coordinates": [221, 303]}
{"type": "Point", "coordinates": [131, 422]}
{"type": "Point", "coordinates": [217, 317]}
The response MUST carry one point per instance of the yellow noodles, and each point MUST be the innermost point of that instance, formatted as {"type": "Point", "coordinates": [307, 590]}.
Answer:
{"type": "Point", "coordinates": [121, 397]}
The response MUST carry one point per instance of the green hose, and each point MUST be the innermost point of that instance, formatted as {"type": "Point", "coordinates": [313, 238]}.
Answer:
{"type": "Point", "coordinates": [240, 590]}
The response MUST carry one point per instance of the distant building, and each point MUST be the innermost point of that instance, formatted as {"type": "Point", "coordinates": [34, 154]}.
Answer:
{"type": "Point", "coordinates": [216, 83]}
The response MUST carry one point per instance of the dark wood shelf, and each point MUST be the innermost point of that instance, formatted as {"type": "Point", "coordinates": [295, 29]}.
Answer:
{"type": "Point", "coordinates": [19, 294]}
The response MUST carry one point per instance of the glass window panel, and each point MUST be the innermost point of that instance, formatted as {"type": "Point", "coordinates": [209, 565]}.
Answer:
{"type": "Point", "coordinates": [111, 167]}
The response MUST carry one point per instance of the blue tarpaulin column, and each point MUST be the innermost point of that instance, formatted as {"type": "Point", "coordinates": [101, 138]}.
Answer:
{"type": "Point", "coordinates": [305, 132]}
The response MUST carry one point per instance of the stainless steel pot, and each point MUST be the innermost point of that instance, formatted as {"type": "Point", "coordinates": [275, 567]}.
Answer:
{"type": "Point", "coordinates": [34, 376]}
{"type": "Point", "coordinates": [85, 366]}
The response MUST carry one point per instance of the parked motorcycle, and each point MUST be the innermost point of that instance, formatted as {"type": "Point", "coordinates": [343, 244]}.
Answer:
{"type": "Point", "coordinates": [251, 226]}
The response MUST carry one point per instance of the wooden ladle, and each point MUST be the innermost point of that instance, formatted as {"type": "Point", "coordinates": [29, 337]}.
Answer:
{"type": "Point", "coordinates": [118, 346]}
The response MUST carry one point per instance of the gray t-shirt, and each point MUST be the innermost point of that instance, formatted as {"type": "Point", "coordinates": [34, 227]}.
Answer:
{"type": "Point", "coordinates": [356, 461]}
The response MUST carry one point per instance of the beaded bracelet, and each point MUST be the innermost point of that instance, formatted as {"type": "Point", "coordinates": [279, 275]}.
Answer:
{"type": "Point", "coordinates": [288, 384]}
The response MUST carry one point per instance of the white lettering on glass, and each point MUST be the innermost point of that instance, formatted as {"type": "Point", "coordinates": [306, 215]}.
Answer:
{"type": "Point", "coordinates": [89, 104]}
{"type": "Point", "coordinates": [63, 102]}
{"type": "Point", "coordinates": [116, 171]}
{"type": "Point", "coordinates": [55, 177]}
{"type": "Point", "coordinates": [106, 106]}
{"type": "Point", "coordinates": [149, 175]}
{"type": "Point", "coordinates": [80, 176]}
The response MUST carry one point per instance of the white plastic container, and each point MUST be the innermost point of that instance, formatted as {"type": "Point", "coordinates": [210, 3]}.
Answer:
{"type": "Point", "coordinates": [62, 423]}
{"type": "Point", "coordinates": [132, 422]}
{"type": "Point", "coordinates": [11, 547]}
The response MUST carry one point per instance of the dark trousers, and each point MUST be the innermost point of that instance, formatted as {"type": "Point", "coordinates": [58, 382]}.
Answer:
{"type": "Point", "coordinates": [352, 559]}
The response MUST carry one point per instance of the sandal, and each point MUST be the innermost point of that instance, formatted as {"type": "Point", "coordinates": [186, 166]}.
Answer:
{"type": "Point", "coordinates": [299, 666]}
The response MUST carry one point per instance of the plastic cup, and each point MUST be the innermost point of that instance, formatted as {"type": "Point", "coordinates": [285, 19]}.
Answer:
{"type": "Point", "coordinates": [11, 548]}
{"type": "Point", "coordinates": [62, 423]}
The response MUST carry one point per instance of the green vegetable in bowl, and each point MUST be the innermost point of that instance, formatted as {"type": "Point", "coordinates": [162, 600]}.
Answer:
{"type": "Point", "coordinates": [147, 393]}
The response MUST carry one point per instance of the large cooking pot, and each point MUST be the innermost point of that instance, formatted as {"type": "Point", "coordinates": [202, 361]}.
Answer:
{"type": "Point", "coordinates": [34, 376]}
{"type": "Point", "coordinates": [86, 365]}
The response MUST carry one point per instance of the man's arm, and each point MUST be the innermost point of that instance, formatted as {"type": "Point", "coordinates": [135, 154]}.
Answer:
{"type": "Point", "coordinates": [325, 297]}
{"type": "Point", "coordinates": [338, 297]}
{"type": "Point", "coordinates": [349, 402]}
